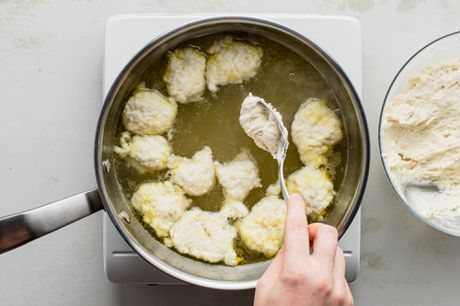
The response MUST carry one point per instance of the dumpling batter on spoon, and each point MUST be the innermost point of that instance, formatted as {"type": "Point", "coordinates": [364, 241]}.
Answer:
{"type": "Point", "coordinates": [259, 124]}
{"type": "Point", "coordinates": [264, 124]}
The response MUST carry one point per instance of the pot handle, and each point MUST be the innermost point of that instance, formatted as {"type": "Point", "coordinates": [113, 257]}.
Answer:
{"type": "Point", "coordinates": [23, 227]}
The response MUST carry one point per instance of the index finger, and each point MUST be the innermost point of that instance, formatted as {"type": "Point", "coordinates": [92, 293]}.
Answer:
{"type": "Point", "coordinates": [296, 241]}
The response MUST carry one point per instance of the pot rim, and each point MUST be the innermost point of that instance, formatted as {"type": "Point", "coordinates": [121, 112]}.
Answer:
{"type": "Point", "coordinates": [183, 276]}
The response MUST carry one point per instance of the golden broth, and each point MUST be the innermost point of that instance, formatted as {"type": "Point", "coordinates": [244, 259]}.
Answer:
{"type": "Point", "coordinates": [284, 79]}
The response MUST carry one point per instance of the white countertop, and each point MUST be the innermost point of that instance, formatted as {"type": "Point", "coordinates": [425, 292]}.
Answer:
{"type": "Point", "coordinates": [50, 96]}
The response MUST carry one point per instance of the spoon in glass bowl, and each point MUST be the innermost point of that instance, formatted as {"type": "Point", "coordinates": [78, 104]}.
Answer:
{"type": "Point", "coordinates": [264, 124]}
{"type": "Point", "coordinates": [446, 214]}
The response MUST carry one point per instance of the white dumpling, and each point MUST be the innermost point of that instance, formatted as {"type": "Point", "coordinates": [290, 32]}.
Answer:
{"type": "Point", "coordinates": [232, 209]}
{"type": "Point", "coordinates": [195, 175]}
{"type": "Point", "coordinates": [205, 235]}
{"type": "Point", "coordinates": [315, 130]}
{"type": "Point", "coordinates": [145, 153]}
{"type": "Point", "coordinates": [185, 75]}
{"type": "Point", "coordinates": [238, 177]}
{"type": "Point", "coordinates": [315, 186]}
{"type": "Point", "coordinates": [262, 230]}
{"type": "Point", "coordinates": [160, 204]}
{"type": "Point", "coordinates": [232, 62]}
{"type": "Point", "coordinates": [148, 112]}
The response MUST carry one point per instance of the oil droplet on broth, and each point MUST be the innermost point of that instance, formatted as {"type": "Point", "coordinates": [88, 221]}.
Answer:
{"type": "Point", "coordinates": [214, 122]}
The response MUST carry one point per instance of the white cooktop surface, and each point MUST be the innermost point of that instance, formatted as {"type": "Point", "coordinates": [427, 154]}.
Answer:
{"type": "Point", "coordinates": [127, 34]}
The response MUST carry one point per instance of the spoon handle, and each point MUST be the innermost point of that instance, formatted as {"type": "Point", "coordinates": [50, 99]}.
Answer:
{"type": "Point", "coordinates": [281, 180]}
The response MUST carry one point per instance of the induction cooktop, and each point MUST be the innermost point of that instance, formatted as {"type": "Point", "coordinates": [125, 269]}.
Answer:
{"type": "Point", "coordinates": [125, 35]}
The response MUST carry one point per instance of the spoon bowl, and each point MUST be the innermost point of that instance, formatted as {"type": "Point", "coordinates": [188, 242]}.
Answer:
{"type": "Point", "coordinates": [283, 145]}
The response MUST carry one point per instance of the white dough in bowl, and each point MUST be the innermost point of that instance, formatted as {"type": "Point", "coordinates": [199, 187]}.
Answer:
{"type": "Point", "coordinates": [421, 127]}
{"type": "Point", "coordinates": [205, 235]}
{"type": "Point", "coordinates": [160, 204]}
{"type": "Point", "coordinates": [315, 130]}
{"type": "Point", "coordinates": [232, 62]}
{"type": "Point", "coordinates": [420, 136]}
{"type": "Point", "coordinates": [262, 230]}
{"type": "Point", "coordinates": [315, 186]}
{"type": "Point", "coordinates": [185, 75]}
{"type": "Point", "coordinates": [195, 175]}
{"type": "Point", "coordinates": [145, 153]}
{"type": "Point", "coordinates": [148, 112]}
{"type": "Point", "coordinates": [239, 176]}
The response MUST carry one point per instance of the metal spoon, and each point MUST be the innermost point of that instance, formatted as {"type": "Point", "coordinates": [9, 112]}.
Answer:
{"type": "Point", "coordinates": [449, 220]}
{"type": "Point", "coordinates": [282, 147]}
{"type": "Point", "coordinates": [424, 186]}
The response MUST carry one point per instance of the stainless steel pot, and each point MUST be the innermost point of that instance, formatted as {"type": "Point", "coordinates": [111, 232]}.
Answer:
{"type": "Point", "coordinates": [21, 228]}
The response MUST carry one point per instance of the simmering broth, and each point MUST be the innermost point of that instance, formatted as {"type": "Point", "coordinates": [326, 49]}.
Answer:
{"type": "Point", "coordinates": [284, 79]}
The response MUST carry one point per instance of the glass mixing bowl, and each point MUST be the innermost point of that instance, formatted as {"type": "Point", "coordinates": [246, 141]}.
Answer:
{"type": "Point", "coordinates": [442, 49]}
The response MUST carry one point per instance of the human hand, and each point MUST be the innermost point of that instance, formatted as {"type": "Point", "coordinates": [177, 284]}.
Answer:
{"type": "Point", "coordinates": [300, 277]}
